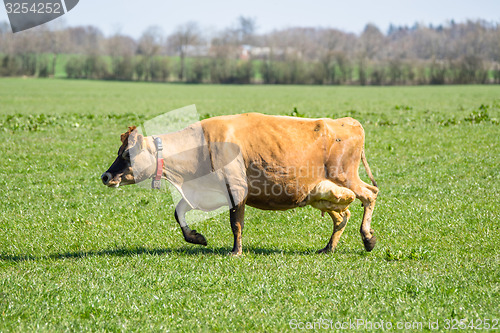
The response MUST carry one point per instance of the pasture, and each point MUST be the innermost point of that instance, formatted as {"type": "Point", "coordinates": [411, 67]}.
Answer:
{"type": "Point", "coordinates": [77, 256]}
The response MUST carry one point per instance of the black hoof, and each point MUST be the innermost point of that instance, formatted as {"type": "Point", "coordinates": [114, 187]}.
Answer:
{"type": "Point", "coordinates": [326, 250]}
{"type": "Point", "coordinates": [370, 243]}
{"type": "Point", "coordinates": [194, 237]}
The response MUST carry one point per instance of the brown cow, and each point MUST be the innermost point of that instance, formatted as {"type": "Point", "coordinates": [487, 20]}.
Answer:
{"type": "Point", "coordinates": [286, 162]}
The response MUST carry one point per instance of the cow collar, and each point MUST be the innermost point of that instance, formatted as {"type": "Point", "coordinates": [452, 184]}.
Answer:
{"type": "Point", "coordinates": [156, 183]}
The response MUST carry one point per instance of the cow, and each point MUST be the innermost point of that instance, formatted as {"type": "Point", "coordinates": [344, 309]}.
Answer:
{"type": "Point", "coordinates": [284, 163]}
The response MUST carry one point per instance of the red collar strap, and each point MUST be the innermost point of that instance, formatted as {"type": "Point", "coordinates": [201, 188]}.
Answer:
{"type": "Point", "coordinates": [156, 183]}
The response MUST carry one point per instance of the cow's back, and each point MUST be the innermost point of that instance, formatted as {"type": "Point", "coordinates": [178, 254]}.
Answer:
{"type": "Point", "coordinates": [285, 157]}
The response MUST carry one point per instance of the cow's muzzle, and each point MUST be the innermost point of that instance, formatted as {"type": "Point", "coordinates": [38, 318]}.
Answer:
{"type": "Point", "coordinates": [106, 178]}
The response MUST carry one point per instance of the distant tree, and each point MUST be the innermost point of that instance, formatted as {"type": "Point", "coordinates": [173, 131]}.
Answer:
{"type": "Point", "coordinates": [10, 65]}
{"type": "Point", "coordinates": [197, 71]}
{"type": "Point", "coordinates": [95, 67]}
{"type": "Point", "coordinates": [75, 68]}
{"type": "Point", "coordinates": [185, 35]}
{"type": "Point", "coordinates": [55, 41]}
{"type": "Point", "coordinates": [123, 68]}
{"type": "Point", "coordinates": [318, 73]}
{"type": "Point", "coordinates": [149, 46]}
{"type": "Point", "coordinates": [470, 69]}
{"type": "Point", "coordinates": [246, 29]}
{"type": "Point", "coordinates": [437, 72]}
{"type": "Point", "coordinates": [496, 74]}
{"type": "Point", "coordinates": [224, 45]}
{"type": "Point", "coordinates": [345, 67]}
{"type": "Point", "coordinates": [371, 41]}
{"type": "Point", "coordinates": [84, 40]}
{"type": "Point", "coordinates": [395, 71]}
{"type": "Point", "coordinates": [140, 68]}
{"type": "Point", "coordinates": [370, 44]}
{"type": "Point", "coordinates": [325, 70]}
{"type": "Point", "coordinates": [160, 69]}
{"type": "Point", "coordinates": [121, 49]}
{"type": "Point", "coordinates": [377, 75]}
{"type": "Point", "coordinates": [59, 42]}
{"type": "Point", "coordinates": [362, 71]}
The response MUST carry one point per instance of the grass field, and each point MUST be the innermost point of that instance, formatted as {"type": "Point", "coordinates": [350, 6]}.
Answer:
{"type": "Point", "coordinates": [77, 256]}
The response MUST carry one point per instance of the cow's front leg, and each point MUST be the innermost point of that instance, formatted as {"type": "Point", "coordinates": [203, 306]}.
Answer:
{"type": "Point", "coordinates": [191, 236]}
{"type": "Point", "coordinates": [236, 216]}
{"type": "Point", "coordinates": [339, 224]}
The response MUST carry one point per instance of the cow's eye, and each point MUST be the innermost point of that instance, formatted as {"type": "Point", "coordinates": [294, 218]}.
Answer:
{"type": "Point", "coordinates": [126, 155]}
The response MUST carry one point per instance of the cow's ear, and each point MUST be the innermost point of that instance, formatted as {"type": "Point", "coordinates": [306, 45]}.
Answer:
{"type": "Point", "coordinates": [125, 135]}
{"type": "Point", "coordinates": [135, 140]}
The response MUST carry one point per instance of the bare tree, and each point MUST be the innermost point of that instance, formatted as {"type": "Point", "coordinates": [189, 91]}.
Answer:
{"type": "Point", "coordinates": [246, 29]}
{"type": "Point", "coordinates": [6, 39]}
{"type": "Point", "coordinates": [56, 40]}
{"type": "Point", "coordinates": [149, 46]}
{"type": "Point", "coordinates": [120, 45]}
{"type": "Point", "coordinates": [85, 40]}
{"type": "Point", "coordinates": [185, 36]}
{"type": "Point", "coordinates": [371, 41]}
{"type": "Point", "coordinates": [150, 41]}
{"type": "Point", "coordinates": [121, 49]}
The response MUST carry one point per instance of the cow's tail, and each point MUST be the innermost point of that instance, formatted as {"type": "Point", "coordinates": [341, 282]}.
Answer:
{"type": "Point", "coordinates": [367, 167]}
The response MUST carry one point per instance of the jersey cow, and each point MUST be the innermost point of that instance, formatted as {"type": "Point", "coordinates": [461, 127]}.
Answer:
{"type": "Point", "coordinates": [267, 162]}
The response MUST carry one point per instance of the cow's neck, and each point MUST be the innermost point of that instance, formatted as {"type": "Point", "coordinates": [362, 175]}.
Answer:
{"type": "Point", "coordinates": [183, 151]}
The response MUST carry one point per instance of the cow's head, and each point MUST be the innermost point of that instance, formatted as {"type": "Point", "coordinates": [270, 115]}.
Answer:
{"type": "Point", "coordinates": [134, 163]}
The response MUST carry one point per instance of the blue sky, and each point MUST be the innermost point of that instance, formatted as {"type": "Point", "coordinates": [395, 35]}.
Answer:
{"type": "Point", "coordinates": [133, 17]}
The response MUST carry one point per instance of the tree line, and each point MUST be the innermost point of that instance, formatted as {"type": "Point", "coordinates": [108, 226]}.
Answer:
{"type": "Point", "coordinates": [452, 53]}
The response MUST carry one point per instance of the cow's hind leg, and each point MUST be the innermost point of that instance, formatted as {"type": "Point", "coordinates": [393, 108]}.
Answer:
{"type": "Point", "coordinates": [236, 216]}
{"type": "Point", "coordinates": [333, 199]}
{"type": "Point", "coordinates": [339, 224]}
{"type": "Point", "coordinates": [368, 195]}
{"type": "Point", "coordinates": [191, 236]}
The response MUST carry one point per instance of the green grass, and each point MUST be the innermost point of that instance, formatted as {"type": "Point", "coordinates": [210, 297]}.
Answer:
{"type": "Point", "coordinates": [77, 256]}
